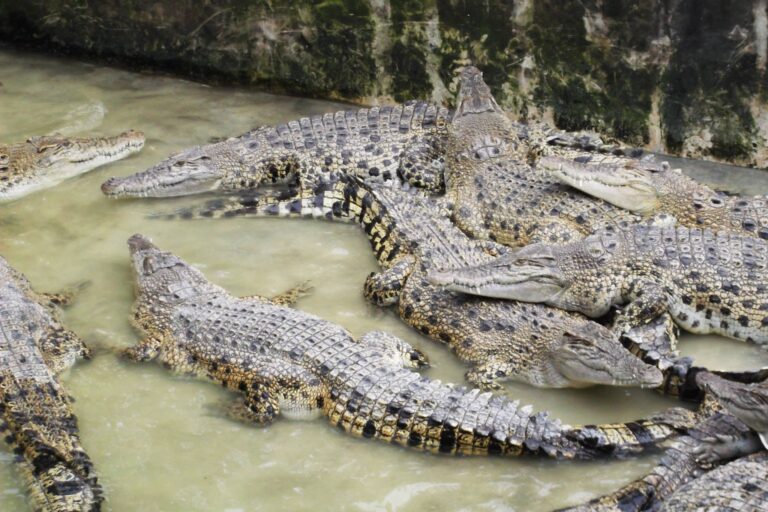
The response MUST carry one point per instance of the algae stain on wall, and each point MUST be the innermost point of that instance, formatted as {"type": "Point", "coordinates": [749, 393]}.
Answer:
{"type": "Point", "coordinates": [683, 76]}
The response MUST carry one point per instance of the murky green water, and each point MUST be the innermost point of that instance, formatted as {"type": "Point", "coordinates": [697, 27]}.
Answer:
{"type": "Point", "coordinates": [161, 442]}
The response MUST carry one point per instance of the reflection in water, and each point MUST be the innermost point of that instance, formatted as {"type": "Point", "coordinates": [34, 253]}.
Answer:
{"type": "Point", "coordinates": [162, 442]}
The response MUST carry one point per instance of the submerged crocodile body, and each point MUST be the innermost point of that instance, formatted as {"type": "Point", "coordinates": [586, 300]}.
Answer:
{"type": "Point", "coordinates": [535, 344]}
{"type": "Point", "coordinates": [711, 282]}
{"type": "Point", "coordinates": [647, 188]}
{"type": "Point", "coordinates": [41, 162]}
{"type": "Point", "coordinates": [289, 362]}
{"type": "Point", "coordinates": [35, 415]}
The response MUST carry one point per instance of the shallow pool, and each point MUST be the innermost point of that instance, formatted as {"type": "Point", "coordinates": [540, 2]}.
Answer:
{"type": "Point", "coordinates": [162, 442]}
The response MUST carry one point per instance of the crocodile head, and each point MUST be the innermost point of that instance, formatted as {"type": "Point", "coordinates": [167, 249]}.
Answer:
{"type": "Point", "coordinates": [44, 161]}
{"type": "Point", "coordinates": [636, 186]}
{"type": "Point", "coordinates": [479, 131]}
{"type": "Point", "coordinates": [529, 274]}
{"type": "Point", "coordinates": [475, 96]}
{"type": "Point", "coordinates": [192, 171]}
{"type": "Point", "coordinates": [163, 279]}
{"type": "Point", "coordinates": [553, 275]}
{"type": "Point", "coordinates": [590, 354]}
{"type": "Point", "coordinates": [748, 402]}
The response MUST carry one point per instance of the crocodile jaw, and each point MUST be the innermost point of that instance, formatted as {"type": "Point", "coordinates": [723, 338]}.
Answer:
{"type": "Point", "coordinates": [748, 402]}
{"type": "Point", "coordinates": [590, 354]}
{"type": "Point", "coordinates": [528, 284]}
{"type": "Point", "coordinates": [61, 158]}
{"type": "Point", "coordinates": [631, 189]}
{"type": "Point", "coordinates": [193, 171]}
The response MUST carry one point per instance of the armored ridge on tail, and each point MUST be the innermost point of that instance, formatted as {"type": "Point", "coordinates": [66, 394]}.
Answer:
{"type": "Point", "coordinates": [35, 415]}
{"type": "Point", "coordinates": [538, 345]}
{"type": "Point", "coordinates": [711, 282]}
{"type": "Point", "coordinates": [42, 162]}
{"type": "Point", "coordinates": [283, 360]}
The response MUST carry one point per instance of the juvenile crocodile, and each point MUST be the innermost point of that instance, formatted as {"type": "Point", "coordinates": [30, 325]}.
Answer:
{"type": "Point", "coordinates": [687, 466]}
{"type": "Point", "coordinates": [711, 282]}
{"type": "Point", "coordinates": [375, 143]}
{"type": "Point", "coordinates": [647, 188]}
{"type": "Point", "coordinates": [286, 361]}
{"type": "Point", "coordinates": [536, 344]}
{"type": "Point", "coordinates": [36, 420]}
{"type": "Point", "coordinates": [42, 162]}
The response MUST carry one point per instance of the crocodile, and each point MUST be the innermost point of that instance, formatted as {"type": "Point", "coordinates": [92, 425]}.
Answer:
{"type": "Point", "coordinates": [647, 188]}
{"type": "Point", "coordinates": [694, 462]}
{"type": "Point", "coordinates": [36, 418]}
{"type": "Point", "coordinates": [746, 401]}
{"type": "Point", "coordinates": [711, 282]}
{"type": "Point", "coordinates": [41, 162]}
{"type": "Point", "coordinates": [491, 190]}
{"type": "Point", "coordinates": [735, 487]}
{"type": "Point", "coordinates": [679, 466]}
{"type": "Point", "coordinates": [536, 344]}
{"type": "Point", "coordinates": [287, 362]}
{"type": "Point", "coordinates": [376, 143]}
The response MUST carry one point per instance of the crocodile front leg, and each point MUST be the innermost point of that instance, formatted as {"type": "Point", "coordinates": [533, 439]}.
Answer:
{"type": "Point", "coordinates": [488, 374]}
{"type": "Point", "coordinates": [723, 447]}
{"type": "Point", "coordinates": [646, 299]}
{"type": "Point", "coordinates": [286, 298]}
{"type": "Point", "coordinates": [383, 288]}
{"type": "Point", "coordinates": [145, 350]}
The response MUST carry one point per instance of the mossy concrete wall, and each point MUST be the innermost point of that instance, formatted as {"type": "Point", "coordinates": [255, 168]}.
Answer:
{"type": "Point", "coordinates": [682, 76]}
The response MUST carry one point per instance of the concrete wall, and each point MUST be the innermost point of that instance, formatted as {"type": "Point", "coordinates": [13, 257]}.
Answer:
{"type": "Point", "coordinates": [681, 76]}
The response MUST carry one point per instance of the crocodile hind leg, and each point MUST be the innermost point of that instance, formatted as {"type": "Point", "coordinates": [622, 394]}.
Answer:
{"type": "Point", "coordinates": [723, 447]}
{"type": "Point", "coordinates": [271, 388]}
{"type": "Point", "coordinates": [393, 349]}
{"type": "Point", "coordinates": [61, 348]}
{"type": "Point", "coordinates": [383, 288]}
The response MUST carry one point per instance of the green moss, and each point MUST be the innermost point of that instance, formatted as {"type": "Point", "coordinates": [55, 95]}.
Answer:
{"type": "Point", "coordinates": [409, 76]}
{"type": "Point", "coordinates": [588, 84]}
{"type": "Point", "coordinates": [710, 79]}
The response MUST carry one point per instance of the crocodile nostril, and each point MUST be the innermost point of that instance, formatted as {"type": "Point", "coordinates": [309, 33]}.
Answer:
{"type": "Point", "coordinates": [109, 185]}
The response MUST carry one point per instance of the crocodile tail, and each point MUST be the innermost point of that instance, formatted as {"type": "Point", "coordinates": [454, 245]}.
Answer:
{"type": "Point", "coordinates": [42, 430]}
{"type": "Point", "coordinates": [340, 200]}
{"type": "Point", "coordinates": [622, 439]}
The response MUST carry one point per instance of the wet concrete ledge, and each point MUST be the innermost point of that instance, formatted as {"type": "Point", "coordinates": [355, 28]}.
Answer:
{"type": "Point", "coordinates": [684, 77]}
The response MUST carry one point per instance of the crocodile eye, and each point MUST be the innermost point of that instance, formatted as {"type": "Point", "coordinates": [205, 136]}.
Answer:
{"type": "Point", "coordinates": [149, 265]}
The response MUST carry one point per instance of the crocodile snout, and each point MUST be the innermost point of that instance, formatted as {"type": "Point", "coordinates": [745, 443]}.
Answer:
{"type": "Point", "coordinates": [139, 242]}
{"type": "Point", "coordinates": [110, 186]}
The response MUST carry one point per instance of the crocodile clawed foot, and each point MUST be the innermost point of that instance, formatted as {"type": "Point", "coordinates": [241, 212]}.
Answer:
{"type": "Point", "coordinates": [418, 358]}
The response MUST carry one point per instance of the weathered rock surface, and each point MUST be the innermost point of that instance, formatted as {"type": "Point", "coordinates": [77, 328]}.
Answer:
{"type": "Point", "coordinates": [680, 76]}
